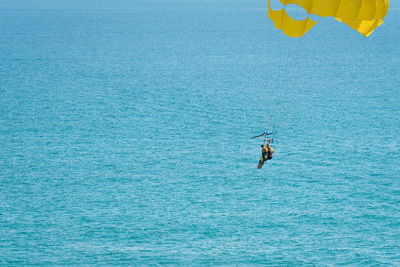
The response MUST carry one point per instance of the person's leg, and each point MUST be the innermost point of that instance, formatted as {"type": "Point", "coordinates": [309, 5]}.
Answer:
{"type": "Point", "coordinates": [260, 164]}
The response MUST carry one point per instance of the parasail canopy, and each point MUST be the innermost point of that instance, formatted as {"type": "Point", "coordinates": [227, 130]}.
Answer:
{"type": "Point", "coordinates": [363, 16]}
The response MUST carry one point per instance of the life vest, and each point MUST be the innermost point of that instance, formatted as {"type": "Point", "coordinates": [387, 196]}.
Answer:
{"type": "Point", "coordinates": [270, 153]}
{"type": "Point", "coordinates": [265, 153]}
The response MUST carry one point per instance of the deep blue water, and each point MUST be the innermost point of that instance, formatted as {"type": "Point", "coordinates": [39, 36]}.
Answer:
{"type": "Point", "coordinates": [125, 138]}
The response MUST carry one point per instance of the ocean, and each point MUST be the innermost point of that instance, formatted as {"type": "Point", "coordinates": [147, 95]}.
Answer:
{"type": "Point", "coordinates": [125, 137]}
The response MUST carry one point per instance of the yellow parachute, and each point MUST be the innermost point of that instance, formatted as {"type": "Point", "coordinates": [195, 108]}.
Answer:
{"type": "Point", "coordinates": [361, 15]}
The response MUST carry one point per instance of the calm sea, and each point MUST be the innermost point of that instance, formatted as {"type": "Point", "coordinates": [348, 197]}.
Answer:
{"type": "Point", "coordinates": [125, 138]}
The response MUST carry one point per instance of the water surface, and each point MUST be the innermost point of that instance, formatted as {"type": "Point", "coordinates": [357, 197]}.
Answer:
{"type": "Point", "coordinates": [125, 138]}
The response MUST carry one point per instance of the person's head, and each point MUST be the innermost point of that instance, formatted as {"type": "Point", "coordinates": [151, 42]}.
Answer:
{"type": "Point", "coordinates": [262, 145]}
{"type": "Point", "coordinates": [268, 145]}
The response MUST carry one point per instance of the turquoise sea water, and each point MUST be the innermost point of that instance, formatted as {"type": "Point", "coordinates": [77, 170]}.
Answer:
{"type": "Point", "coordinates": [125, 138]}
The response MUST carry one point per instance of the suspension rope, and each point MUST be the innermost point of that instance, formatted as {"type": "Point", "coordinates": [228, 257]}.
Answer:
{"type": "Point", "coordinates": [296, 50]}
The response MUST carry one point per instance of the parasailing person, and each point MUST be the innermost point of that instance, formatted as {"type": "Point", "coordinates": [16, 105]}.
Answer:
{"type": "Point", "coordinates": [266, 154]}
